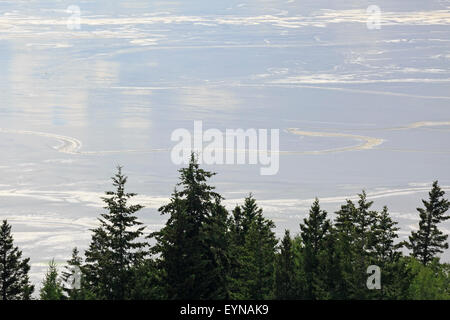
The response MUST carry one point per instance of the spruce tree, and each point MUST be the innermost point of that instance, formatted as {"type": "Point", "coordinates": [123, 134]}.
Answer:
{"type": "Point", "coordinates": [299, 279]}
{"type": "Point", "coordinates": [239, 225]}
{"type": "Point", "coordinates": [115, 247]}
{"type": "Point", "coordinates": [285, 272]}
{"type": "Point", "coordinates": [148, 281]}
{"type": "Point", "coordinates": [14, 279]}
{"type": "Point", "coordinates": [238, 233]}
{"type": "Point", "coordinates": [254, 269]}
{"type": "Point", "coordinates": [314, 231]}
{"type": "Point", "coordinates": [346, 251]}
{"type": "Point", "coordinates": [52, 288]}
{"type": "Point", "coordinates": [97, 270]}
{"type": "Point", "coordinates": [328, 266]}
{"type": "Point", "coordinates": [216, 240]}
{"type": "Point", "coordinates": [365, 222]}
{"type": "Point", "coordinates": [191, 254]}
{"type": "Point", "coordinates": [429, 241]}
{"type": "Point", "coordinates": [356, 233]}
{"type": "Point", "coordinates": [386, 254]}
{"type": "Point", "coordinates": [72, 278]}
{"type": "Point", "coordinates": [365, 225]}
{"type": "Point", "coordinates": [384, 237]}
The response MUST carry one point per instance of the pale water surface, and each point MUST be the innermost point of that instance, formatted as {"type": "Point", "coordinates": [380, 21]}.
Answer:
{"type": "Point", "coordinates": [75, 103]}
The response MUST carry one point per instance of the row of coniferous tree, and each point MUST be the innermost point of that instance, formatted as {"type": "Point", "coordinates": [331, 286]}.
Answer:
{"type": "Point", "coordinates": [206, 252]}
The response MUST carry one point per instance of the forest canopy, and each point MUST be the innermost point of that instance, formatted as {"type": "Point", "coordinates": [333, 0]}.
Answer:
{"type": "Point", "coordinates": [206, 252]}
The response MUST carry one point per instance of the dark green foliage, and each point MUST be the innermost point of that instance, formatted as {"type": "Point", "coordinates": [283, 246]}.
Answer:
{"type": "Point", "coordinates": [365, 229]}
{"type": "Point", "coordinates": [115, 246]}
{"type": "Point", "coordinates": [240, 224]}
{"type": "Point", "coordinates": [216, 240]}
{"type": "Point", "coordinates": [346, 252]}
{"type": "Point", "coordinates": [386, 254]}
{"type": "Point", "coordinates": [52, 288]}
{"type": "Point", "coordinates": [254, 248]}
{"type": "Point", "coordinates": [429, 241]}
{"type": "Point", "coordinates": [395, 280]}
{"type": "Point", "coordinates": [429, 282]}
{"type": "Point", "coordinates": [14, 280]}
{"type": "Point", "coordinates": [237, 251]}
{"type": "Point", "coordinates": [385, 250]}
{"type": "Point", "coordinates": [356, 236]}
{"type": "Point", "coordinates": [314, 232]}
{"type": "Point", "coordinates": [203, 252]}
{"type": "Point", "coordinates": [365, 237]}
{"type": "Point", "coordinates": [148, 282]}
{"type": "Point", "coordinates": [299, 277]}
{"type": "Point", "coordinates": [192, 247]}
{"type": "Point", "coordinates": [284, 270]}
{"type": "Point", "coordinates": [73, 280]}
